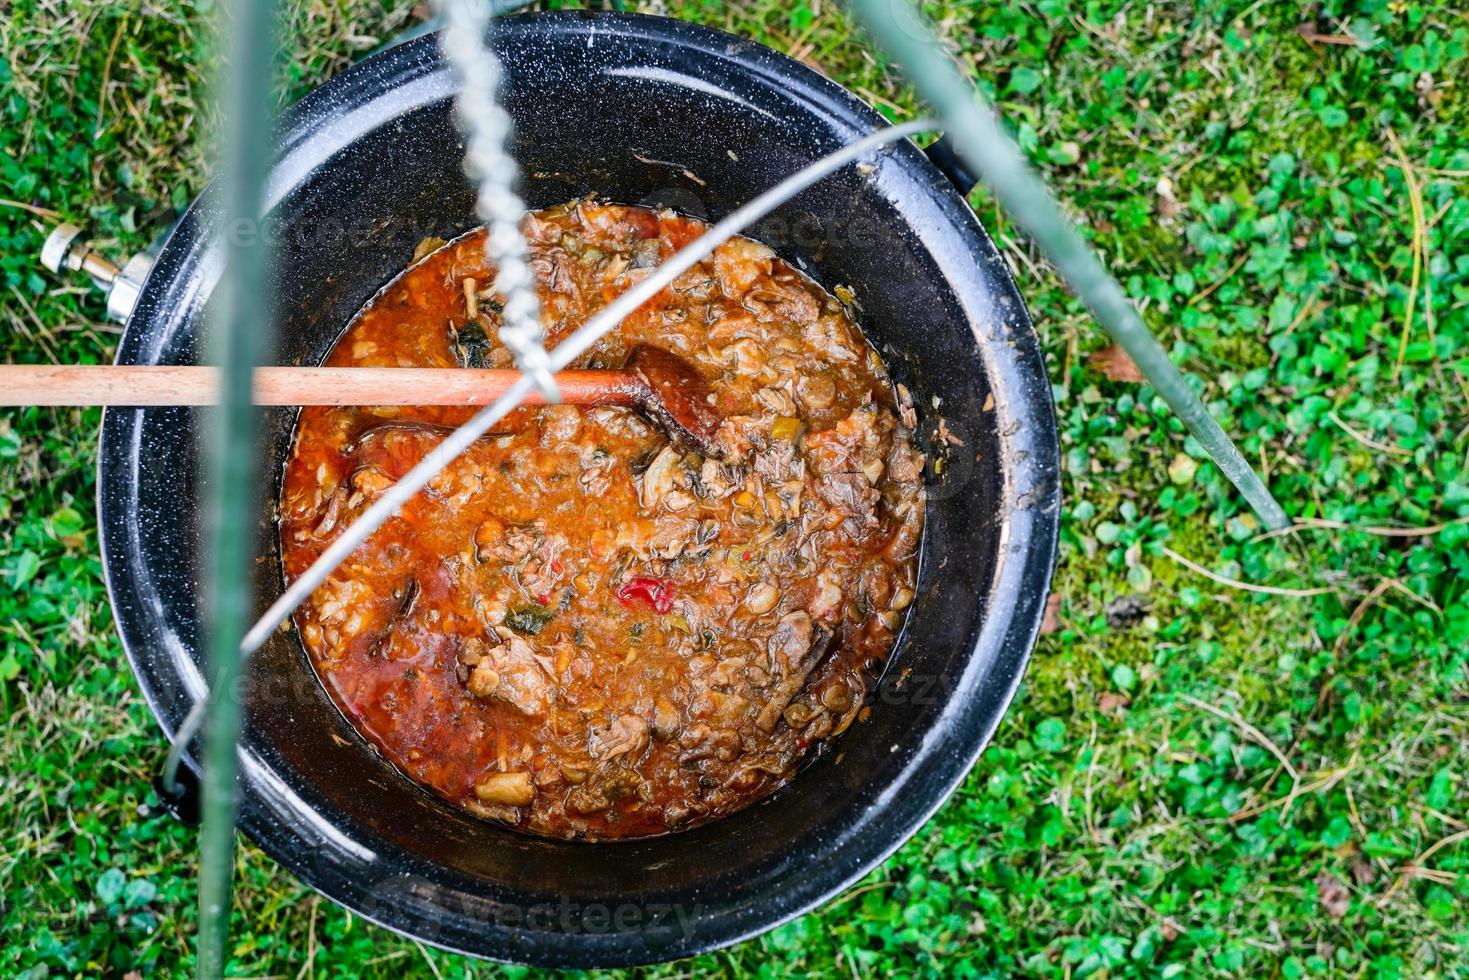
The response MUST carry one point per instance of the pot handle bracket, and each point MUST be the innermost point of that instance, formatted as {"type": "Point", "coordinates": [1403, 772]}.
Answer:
{"type": "Point", "coordinates": [942, 155]}
{"type": "Point", "coordinates": [67, 249]}
{"type": "Point", "coordinates": [183, 802]}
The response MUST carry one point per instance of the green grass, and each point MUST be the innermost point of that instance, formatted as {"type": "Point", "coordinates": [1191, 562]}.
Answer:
{"type": "Point", "coordinates": [1242, 180]}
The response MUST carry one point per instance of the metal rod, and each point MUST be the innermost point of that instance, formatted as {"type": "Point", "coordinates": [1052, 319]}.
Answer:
{"type": "Point", "coordinates": [974, 129]}
{"type": "Point", "coordinates": [486, 126]}
{"type": "Point", "coordinates": [243, 330]}
{"type": "Point", "coordinates": [562, 356]}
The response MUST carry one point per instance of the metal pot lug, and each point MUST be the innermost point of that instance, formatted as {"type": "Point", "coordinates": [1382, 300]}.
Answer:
{"type": "Point", "coordinates": [182, 805]}
{"type": "Point", "coordinates": [66, 248]}
{"type": "Point", "coordinates": [942, 155]}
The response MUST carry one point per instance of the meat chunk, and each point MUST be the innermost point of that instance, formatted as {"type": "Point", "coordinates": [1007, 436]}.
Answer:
{"type": "Point", "coordinates": [761, 598]}
{"type": "Point", "coordinates": [494, 542]}
{"type": "Point", "coordinates": [663, 474]}
{"type": "Point", "coordinates": [848, 459]}
{"type": "Point", "coordinates": [597, 468]}
{"type": "Point", "coordinates": [796, 648]}
{"type": "Point", "coordinates": [790, 640]}
{"type": "Point", "coordinates": [738, 263]}
{"type": "Point", "coordinates": [851, 495]}
{"type": "Point", "coordinates": [554, 269]}
{"type": "Point", "coordinates": [666, 537]}
{"type": "Point", "coordinates": [666, 720]}
{"type": "Point", "coordinates": [542, 575]}
{"type": "Point", "coordinates": [506, 789]}
{"type": "Point", "coordinates": [602, 792]}
{"type": "Point", "coordinates": [777, 463]}
{"type": "Point", "coordinates": [368, 483]}
{"type": "Point", "coordinates": [817, 391]}
{"type": "Point", "coordinates": [512, 673]}
{"type": "Point", "coordinates": [826, 604]}
{"type": "Point", "coordinates": [846, 444]}
{"type": "Point", "coordinates": [627, 736]}
{"type": "Point", "coordinates": [701, 741]}
{"type": "Point", "coordinates": [780, 301]}
{"type": "Point", "coordinates": [904, 464]}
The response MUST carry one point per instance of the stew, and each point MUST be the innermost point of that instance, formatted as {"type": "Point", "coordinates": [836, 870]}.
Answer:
{"type": "Point", "coordinates": [581, 629]}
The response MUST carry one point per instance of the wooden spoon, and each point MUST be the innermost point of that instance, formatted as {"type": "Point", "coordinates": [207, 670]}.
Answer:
{"type": "Point", "coordinates": [661, 384]}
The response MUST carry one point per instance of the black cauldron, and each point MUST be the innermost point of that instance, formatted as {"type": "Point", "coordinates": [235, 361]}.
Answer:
{"type": "Point", "coordinates": [638, 110]}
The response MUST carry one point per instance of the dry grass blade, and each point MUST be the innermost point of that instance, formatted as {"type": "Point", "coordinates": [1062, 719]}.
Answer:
{"type": "Point", "coordinates": [1420, 235]}
{"type": "Point", "coordinates": [1326, 780]}
{"type": "Point", "coordinates": [1319, 524]}
{"type": "Point", "coordinates": [1228, 275]}
{"type": "Point", "coordinates": [1357, 614]}
{"type": "Point", "coordinates": [1415, 868]}
{"type": "Point", "coordinates": [1255, 735]}
{"type": "Point", "coordinates": [1245, 586]}
{"type": "Point", "coordinates": [1381, 447]}
{"type": "Point", "coordinates": [38, 211]}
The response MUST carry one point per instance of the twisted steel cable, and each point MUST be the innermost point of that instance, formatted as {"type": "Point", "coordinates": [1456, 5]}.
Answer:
{"type": "Point", "coordinates": [486, 127]}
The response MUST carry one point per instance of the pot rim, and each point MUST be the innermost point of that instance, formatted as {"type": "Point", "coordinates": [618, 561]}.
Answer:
{"type": "Point", "coordinates": [1029, 521]}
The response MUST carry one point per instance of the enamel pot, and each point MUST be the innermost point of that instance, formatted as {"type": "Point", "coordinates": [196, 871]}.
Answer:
{"type": "Point", "coordinates": [639, 110]}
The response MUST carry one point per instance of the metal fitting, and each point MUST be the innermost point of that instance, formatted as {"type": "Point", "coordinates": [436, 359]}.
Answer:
{"type": "Point", "coordinates": [66, 249]}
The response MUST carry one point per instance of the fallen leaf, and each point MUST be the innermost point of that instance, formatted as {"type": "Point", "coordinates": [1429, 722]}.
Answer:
{"type": "Point", "coordinates": [1168, 206]}
{"type": "Point", "coordinates": [1313, 35]}
{"type": "Point", "coordinates": [1111, 702]}
{"type": "Point", "coordinates": [1051, 621]}
{"type": "Point", "coordinates": [1363, 872]}
{"type": "Point", "coordinates": [1115, 364]}
{"type": "Point", "coordinates": [1181, 471]}
{"type": "Point", "coordinates": [1333, 895]}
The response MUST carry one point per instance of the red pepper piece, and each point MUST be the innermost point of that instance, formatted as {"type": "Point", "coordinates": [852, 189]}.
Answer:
{"type": "Point", "coordinates": [656, 592]}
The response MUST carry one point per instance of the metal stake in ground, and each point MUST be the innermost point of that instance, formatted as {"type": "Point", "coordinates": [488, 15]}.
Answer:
{"type": "Point", "coordinates": [975, 131]}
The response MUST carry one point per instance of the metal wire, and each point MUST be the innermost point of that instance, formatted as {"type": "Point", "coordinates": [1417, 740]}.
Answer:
{"type": "Point", "coordinates": [975, 132]}
{"type": "Point", "coordinates": [486, 127]}
{"type": "Point", "coordinates": [561, 357]}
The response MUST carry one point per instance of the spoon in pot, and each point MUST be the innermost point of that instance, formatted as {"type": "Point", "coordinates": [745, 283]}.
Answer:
{"type": "Point", "coordinates": [661, 384]}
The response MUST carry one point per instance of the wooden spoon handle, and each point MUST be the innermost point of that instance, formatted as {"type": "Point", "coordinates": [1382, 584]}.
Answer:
{"type": "Point", "coordinates": [27, 384]}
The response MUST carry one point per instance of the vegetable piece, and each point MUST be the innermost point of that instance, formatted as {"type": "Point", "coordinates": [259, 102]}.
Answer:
{"type": "Point", "coordinates": [528, 620]}
{"type": "Point", "coordinates": [484, 680]}
{"type": "Point", "coordinates": [472, 346]}
{"type": "Point", "coordinates": [658, 478]}
{"type": "Point", "coordinates": [785, 428]}
{"type": "Point", "coordinates": [656, 592]}
{"type": "Point", "coordinates": [429, 245]}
